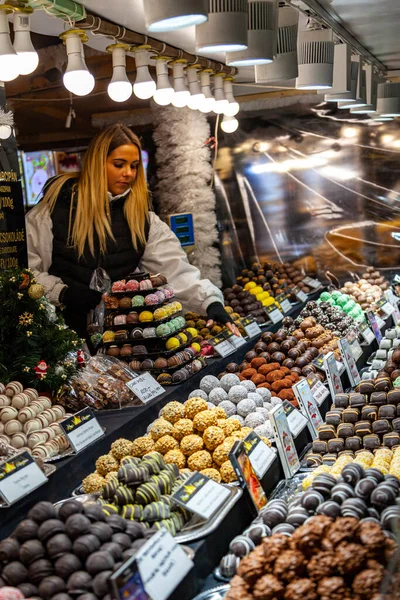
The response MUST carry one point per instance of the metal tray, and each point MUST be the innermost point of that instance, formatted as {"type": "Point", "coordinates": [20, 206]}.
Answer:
{"type": "Point", "coordinates": [215, 593]}
{"type": "Point", "coordinates": [195, 529]}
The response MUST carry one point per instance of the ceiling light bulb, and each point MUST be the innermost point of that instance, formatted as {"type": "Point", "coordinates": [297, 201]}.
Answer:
{"type": "Point", "coordinates": [9, 60]}
{"type": "Point", "coordinates": [182, 94]}
{"type": "Point", "coordinates": [229, 124]}
{"type": "Point", "coordinates": [120, 88]}
{"type": "Point", "coordinates": [209, 101]}
{"type": "Point", "coordinates": [164, 90]}
{"type": "Point", "coordinates": [233, 107]}
{"type": "Point", "coordinates": [169, 15]}
{"type": "Point", "coordinates": [28, 57]}
{"type": "Point", "coordinates": [197, 97]}
{"type": "Point", "coordinates": [144, 86]}
{"type": "Point", "coordinates": [316, 52]}
{"type": "Point", "coordinates": [284, 65]}
{"type": "Point", "coordinates": [221, 103]}
{"type": "Point", "coordinates": [77, 78]}
{"type": "Point", "coordinates": [226, 28]}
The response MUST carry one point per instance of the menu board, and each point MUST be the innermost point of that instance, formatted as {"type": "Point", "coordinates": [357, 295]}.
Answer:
{"type": "Point", "coordinates": [13, 252]}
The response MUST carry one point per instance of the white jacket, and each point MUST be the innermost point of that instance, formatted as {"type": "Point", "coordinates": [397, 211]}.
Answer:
{"type": "Point", "coordinates": [163, 254]}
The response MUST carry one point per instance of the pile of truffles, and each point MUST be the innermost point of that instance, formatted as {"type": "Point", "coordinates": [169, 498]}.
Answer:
{"type": "Point", "coordinates": [243, 303]}
{"type": "Point", "coordinates": [275, 278]}
{"type": "Point", "coordinates": [367, 290]}
{"type": "Point", "coordinates": [382, 362]}
{"type": "Point", "coordinates": [320, 338]}
{"type": "Point", "coordinates": [68, 552]}
{"type": "Point", "coordinates": [196, 325]}
{"type": "Point", "coordinates": [240, 400]}
{"type": "Point", "coordinates": [336, 305]}
{"type": "Point", "coordinates": [323, 559]}
{"type": "Point", "coordinates": [30, 422]}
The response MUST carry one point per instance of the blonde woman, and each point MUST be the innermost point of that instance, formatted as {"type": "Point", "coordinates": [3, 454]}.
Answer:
{"type": "Point", "coordinates": [101, 217]}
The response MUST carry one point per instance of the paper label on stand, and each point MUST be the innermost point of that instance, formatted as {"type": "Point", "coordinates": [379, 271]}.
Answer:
{"type": "Point", "coordinates": [201, 495]}
{"type": "Point", "coordinates": [367, 333]}
{"type": "Point", "coordinates": [355, 347]}
{"type": "Point", "coordinates": [236, 341]}
{"type": "Point", "coordinates": [300, 295]}
{"type": "Point", "coordinates": [394, 302]}
{"type": "Point", "coordinates": [222, 346]}
{"type": "Point", "coordinates": [284, 303]}
{"type": "Point", "coordinates": [260, 455]}
{"type": "Point", "coordinates": [308, 406]}
{"type": "Point", "coordinates": [251, 327]}
{"type": "Point", "coordinates": [82, 429]}
{"type": "Point", "coordinates": [349, 362]}
{"type": "Point", "coordinates": [19, 476]}
{"type": "Point", "coordinates": [295, 419]}
{"type": "Point", "coordinates": [273, 313]}
{"type": "Point", "coordinates": [284, 441]}
{"type": "Point", "coordinates": [319, 362]}
{"type": "Point", "coordinates": [145, 387]}
{"type": "Point", "coordinates": [318, 389]}
{"type": "Point", "coordinates": [313, 283]}
{"type": "Point", "coordinates": [332, 374]}
{"type": "Point", "coordinates": [374, 325]}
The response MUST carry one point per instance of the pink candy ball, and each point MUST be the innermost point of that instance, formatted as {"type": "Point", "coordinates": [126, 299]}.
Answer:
{"type": "Point", "coordinates": [118, 286]}
{"type": "Point", "coordinates": [10, 593]}
{"type": "Point", "coordinates": [132, 286]}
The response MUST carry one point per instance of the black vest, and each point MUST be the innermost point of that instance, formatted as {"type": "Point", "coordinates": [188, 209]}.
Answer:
{"type": "Point", "coordinates": [119, 261]}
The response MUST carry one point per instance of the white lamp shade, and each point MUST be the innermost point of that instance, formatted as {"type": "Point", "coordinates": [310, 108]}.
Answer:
{"type": "Point", "coordinates": [315, 60]}
{"type": "Point", "coordinates": [9, 60]}
{"type": "Point", "coordinates": [226, 28]}
{"type": "Point", "coordinates": [284, 65]}
{"type": "Point", "coordinates": [168, 15]}
{"type": "Point", "coordinates": [28, 57]}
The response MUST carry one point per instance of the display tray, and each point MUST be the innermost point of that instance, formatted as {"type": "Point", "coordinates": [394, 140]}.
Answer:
{"type": "Point", "coordinates": [129, 326]}
{"type": "Point", "coordinates": [146, 323]}
{"type": "Point", "coordinates": [286, 489]}
{"type": "Point", "coordinates": [159, 354]}
{"type": "Point", "coordinates": [195, 529]}
{"type": "Point", "coordinates": [142, 307]}
{"type": "Point", "coordinates": [216, 593]}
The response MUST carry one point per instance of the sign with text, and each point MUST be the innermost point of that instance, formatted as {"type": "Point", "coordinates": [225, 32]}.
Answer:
{"type": "Point", "coordinates": [235, 340]}
{"type": "Point", "coordinates": [247, 475]}
{"type": "Point", "coordinates": [273, 313]}
{"type": "Point", "coordinates": [319, 362]}
{"type": "Point", "coordinates": [222, 346]}
{"type": "Point", "coordinates": [145, 387]}
{"type": "Point", "coordinates": [284, 302]}
{"type": "Point", "coordinates": [300, 295]}
{"type": "Point", "coordinates": [349, 362]}
{"type": "Point", "coordinates": [82, 429]}
{"type": "Point", "coordinates": [251, 327]}
{"type": "Point", "coordinates": [318, 389]}
{"type": "Point", "coordinates": [13, 253]}
{"type": "Point", "coordinates": [308, 406]}
{"type": "Point", "coordinates": [367, 333]}
{"type": "Point", "coordinates": [284, 441]}
{"type": "Point", "coordinates": [295, 419]}
{"type": "Point", "coordinates": [313, 283]}
{"type": "Point", "coordinates": [201, 495]}
{"type": "Point", "coordinates": [19, 476]}
{"type": "Point", "coordinates": [332, 374]}
{"type": "Point", "coordinates": [260, 455]}
{"type": "Point", "coordinates": [355, 347]}
{"type": "Point", "coordinates": [374, 325]}
{"type": "Point", "coordinates": [394, 302]}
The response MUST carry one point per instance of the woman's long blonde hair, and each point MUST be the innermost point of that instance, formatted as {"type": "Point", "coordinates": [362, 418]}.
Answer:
{"type": "Point", "coordinates": [91, 197]}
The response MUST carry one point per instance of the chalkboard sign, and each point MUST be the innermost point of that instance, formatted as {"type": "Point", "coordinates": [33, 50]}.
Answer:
{"type": "Point", "coordinates": [13, 253]}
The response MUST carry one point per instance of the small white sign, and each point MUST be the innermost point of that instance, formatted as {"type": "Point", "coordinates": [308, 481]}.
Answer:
{"type": "Point", "coordinates": [284, 441]}
{"type": "Point", "coordinates": [223, 347]}
{"type": "Point", "coordinates": [349, 362]}
{"type": "Point", "coordinates": [313, 283]}
{"type": "Point", "coordinates": [308, 406]}
{"type": "Point", "coordinates": [300, 295]}
{"type": "Point", "coordinates": [260, 455]}
{"type": "Point", "coordinates": [274, 315]}
{"type": "Point", "coordinates": [145, 387]}
{"type": "Point", "coordinates": [286, 305]}
{"type": "Point", "coordinates": [82, 429]}
{"type": "Point", "coordinates": [367, 333]}
{"type": "Point", "coordinates": [162, 565]}
{"type": "Point", "coordinates": [380, 322]}
{"type": "Point", "coordinates": [332, 374]}
{"type": "Point", "coordinates": [201, 495]}
{"type": "Point", "coordinates": [295, 419]}
{"type": "Point", "coordinates": [19, 476]}
{"type": "Point", "coordinates": [237, 341]}
{"type": "Point", "coordinates": [318, 389]}
{"type": "Point", "coordinates": [251, 328]}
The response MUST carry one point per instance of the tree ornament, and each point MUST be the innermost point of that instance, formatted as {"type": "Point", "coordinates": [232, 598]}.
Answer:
{"type": "Point", "coordinates": [25, 319]}
{"type": "Point", "coordinates": [25, 281]}
{"type": "Point", "coordinates": [41, 369]}
{"type": "Point", "coordinates": [80, 359]}
{"type": "Point", "coordinates": [35, 291]}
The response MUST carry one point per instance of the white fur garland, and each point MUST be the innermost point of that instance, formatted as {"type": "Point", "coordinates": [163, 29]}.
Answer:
{"type": "Point", "coordinates": [6, 118]}
{"type": "Point", "coordinates": [184, 174]}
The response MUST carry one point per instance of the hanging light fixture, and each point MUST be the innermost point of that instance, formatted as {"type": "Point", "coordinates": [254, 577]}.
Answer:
{"type": "Point", "coordinates": [316, 51]}
{"type": "Point", "coordinates": [229, 124]}
{"type": "Point", "coordinates": [77, 78]}
{"type": "Point", "coordinates": [233, 107]}
{"type": "Point", "coordinates": [341, 73]}
{"type": "Point", "coordinates": [371, 93]}
{"type": "Point", "coordinates": [226, 28]}
{"type": "Point", "coordinates": [164, 90]}
{"type": "Point", "coordinates": [262, 29]}
{"type": "Point", "coordinates": [144, 86]}
{"type": "Point", "coordinates": [168, 15]}
{"type": "Point", "coordinates": [9, 60]}
{"type": "Point", "coordinates": [361, 95]}
{"type": "Point", "coordinates": [182, 94]}
{"type": "Point", "coordinates": [388, 103]}
{"type": "Point", "coordinates": [120, 88]}
{"type": "Point", "coordinates": [221, 103]}
{"type": "Point", "coordinates": [197, 97]}
{"type": "Point", "coordinates": [350, 96]}
{"type": "Point", "coordinates": [284, 65]}
{"type": "Point", "coordinates": [208, 103]}
{"type": "Point", "coordinates": [28, 57]}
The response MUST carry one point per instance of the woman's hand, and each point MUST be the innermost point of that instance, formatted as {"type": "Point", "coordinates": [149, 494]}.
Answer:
{"type": "Point", "coordinates": [217, 313]}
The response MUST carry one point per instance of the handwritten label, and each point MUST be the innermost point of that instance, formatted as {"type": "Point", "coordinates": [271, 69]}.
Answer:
{"type": "Point", "coordinates": [19, 476]}
{"type": "Point", "coordinates": [251, 327]}
{"type": "Point", "coordinates": [308, 406]}
{"type": "Point", "coordinates": [201, 495]}
{"type": "Point", "coordinates": [273, 313]}
{"type": "Point", "coordinates": [284, 302]}
{"type": "Point", "coordinates": [300, 295]}
{"type": "Point", "coordinates": [145, 387]}
{"type": "Point", "coordinates": [367, 333]}
{"type": "Point", "coordinates": [332, 374]}
{"type": "Point", "coordinates": [319, 361]}
{"type": "Point", "coordinates": [82, 429]}
{"type": "Point", "coordinates": [260, 455]}
{"type": "Point", "coordinates": [222, 346]}
{"type": "Point", "coordinates": [318, 389]}
{"type": "Point", "coordinates": [295, 419]}
{"type": "Point", "coordinates": [284, 441]}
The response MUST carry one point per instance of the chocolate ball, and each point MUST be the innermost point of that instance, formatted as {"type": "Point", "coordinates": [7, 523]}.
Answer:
{"type": "Point", "coordinates": [30, 551]}
{"type": "Point", "coordinates": [66, 565]}
{"type": "Point", "coordinates": [122, 539]}
{"type": "Point", "coordinates": [94, 512]}
{"type": "Point", "coordinates": [250, 355]}
{"type": "Point", "coordinates": [87, 596]}
{"type": "Point", "coordinates": [114, 549]}
{"type": "Point", "coordinates": [28, 589]}
{"type": "Point", "coordinates": [85, 545]}
{"type": "Point", "coordinates": [102, 531]}
{"type": "Point", "coordinates": [135, 530]}
{"type": "Point", "coordinates": [58, 545]}
{"type": "Point", "coordinates": [288, 363]}
{"type": "Point", "coordinates": [9, 550]}
{"type": "Point", "coordinates": [79, 582]}
{"type": "Point", "coordinates": [100, 583]}
{"type": "Point", "coordinates": [71, 507]}
{"type": "Point", "coordinates": [49, 528]}
{"type": "Point", "coordinates": [77, 525]}
{"type": "Point", "coordinates": [117, 523]}
{"type": "Point", "coordinates": [273, 347]}
{"type": "Point", "coordinates": [15, 573]}
{"type": "Point", "coordinates": [278, 357]}
{"type": "Point", "coordinates": [232, 368]}
{"type": "Point", "coordinates": [51, 586]}
{"type": "Point", "coordinates": [62, 596]}
{"type": "Point", "coordinates": [42, 511]}
{"type": "Point", "coordinates": [26, 530]}
{"type": "Point", "coordinates": [40, 569]}
{"type": "Point", "coordinates": [99, 561]}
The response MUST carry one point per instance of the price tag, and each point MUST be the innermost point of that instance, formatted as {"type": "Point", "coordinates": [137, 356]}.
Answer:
{"type": "Point", "coordinates": [300, 295]}
{"type": "Point", "coordinates": [162, 564]}
{"type": "Point", "coordinates": [145, 387]}
{"type": "Point", "coordinates": [236, 341]}
{"type": "Point", "coordinates": [284, 441]}
{"type": "Point", "coordinates": [332, 374]}
{"type": "Point", "coordinates": [355, 347]}
{"type": "Point", "coordinates": [313, 283]}
{"type": "Point", "coordinates": [380, 322]}
{"type": "Point", "coordinates": [222, 346]}
{"type": "Point", "coordinates": [82, 429]}
{"type": "Point", "coordinates": [284, 303]}
{"type": "Point", "coordinates": [319, 362]}
{"type": "Point", "coordinates": [273, 313]}
{"type": "Point", "coordinates": [308, 406]}
{"type": "Point", "coordinates": [295, 419]}
{"type": "Point", "coordinates": [19, 476]}
{"type": "Point", "coordinates": [394, 302]}
{"type": "Point", "coordinates": [201, 495]}
{"type": "Point", "coordinates": [260, 455]}
{"type": "Point", "coordinates": [372, 318]}
{"type": "Point", "coordinates": [251, 327]}
{"type": "Point", "coordinates": [318, 389]}
{"type": "Point", "coordinates": [367, 333]}
{"type": "Point", "coordinates": [349, 362]}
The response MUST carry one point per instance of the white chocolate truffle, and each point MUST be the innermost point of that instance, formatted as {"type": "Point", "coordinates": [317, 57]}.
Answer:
{"type": "Point", "coordinates": [217, 395]}
{"type": "Point", "coordinates": [32, 425]}
{"type": "Point", "coordinates": [12, 388]}
{"type": "Point", "coordinates": [208, 383]}
{"type": "Point", "coordinates": [254, 419]}
{"type": "Point", "coordinates": [4, 401]}
{"type": "Point", "coordinates": [32, 393]}
{"type": "Point", "coordinates": [237, 393]}
{"type": "Point", "coordinates": [8, 413]}
{"type": "Point", "coordinates": [228, 407]}
{"type": "Point", "coordinates": [275, 401]}
{"type": "Point", "coordinates": [229, 380]}
{"type": "Point", "coordinates": [245, 407]}
{"type": "Point", "coordinates": [198, 394]}
{"type": "Point", "coordinates": [12, 427]}
{"type": "Point", "coordinates": [20, 400]}
{"type": "Point", "coordinates": [18, 441]}
{"type": "Point", "coordinates": [26, 414]}
{"type": "Point", "coordinates": [256, 398]}
{"type": "Point", "coordinates": [265, 393]}
{"type": "Point", "coordinates": [46, 402]}
{"type": "Point", "coordinates": [249, 385]}
{"type": "Point", "coordinates": [238, 418]}
{"type": "Point", "coordinates": [37, 407]}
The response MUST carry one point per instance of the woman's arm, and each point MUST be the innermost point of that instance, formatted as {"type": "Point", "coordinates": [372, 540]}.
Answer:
{"type": "Point", "coordinates": [163, 254]}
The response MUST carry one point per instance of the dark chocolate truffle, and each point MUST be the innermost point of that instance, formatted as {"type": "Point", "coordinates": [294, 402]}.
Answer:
{"type": "Point", "coordinates": [26, 530]}
{"type": "Point", "coordinates": [30, 551]}
{"type": "Point", "coordinates": [42, 511]}
{"type": "Point", "coordinates": [100, 583]}
{"type": "Point", "coordinates": [122, 539]}
{"type": "Point", "coordinates": [62, 596]}
{"type": "Point", "coordinates": [99, 561]}
{"type": "Point", "coordinates": [40, 569]}
{"type": "Point", "coordinates": [134, 530]}
{"type": "Point", "coordinates": [114, 549]}
{"type": "Point", "coordinates": [28, 589]}
{"type": "Point", "coordinates": [66, 565]}
{"type": "Point", "coordinates": [94, 512]}
{"type": "Point", "coordinates": [85, 545]}
{"type": "Point", "coordinates": [15, 573]}
{"type": "Point", "coordinates": [77, 525]}
{"type": "Point", "coordinates": [87, 596]}
{"type": "Point", "coordinates": [58, 545]}
{"type": "Point", "coordinates": [51, 586]}
{"type": "Point", "coordinates": [117, 523]}
{"type": "Point", "coordinates": [79, 582]}
{"type": "Point", "coordinates": [69, 508]}
{"type": "Point", "coordinates": [49, 528]}
{"type": "Point", "coordinates": [9, 550]}
{"type": "Point", "coordinates": [102, 531]}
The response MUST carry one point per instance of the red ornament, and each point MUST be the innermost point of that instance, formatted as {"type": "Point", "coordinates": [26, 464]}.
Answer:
{"type": "Point", "coordinates": [41, 369]}
{"type": "Point", "coordinates": [80, 359]}
{"type": "Point", "coordinates": [25, 281]}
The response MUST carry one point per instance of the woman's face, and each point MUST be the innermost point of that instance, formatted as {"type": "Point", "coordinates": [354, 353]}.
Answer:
{"type": "Point", "coordinates": [122, 165]}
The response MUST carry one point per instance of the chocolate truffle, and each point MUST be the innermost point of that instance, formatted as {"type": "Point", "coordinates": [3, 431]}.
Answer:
{"type": "Point", "coordinates": [94, 512]}
{"type": "Point", "coordinates": [117, 523]}
{"type": "Point", "coordinates": [350, 558]}
{"type": "Point", "coordinates": [268, 587]}
{"type": "Point", "coordinates": [40, 569]}
{"type": "Point", "coordinates": [322, 564]}
{"type": "Point", "coordinates": [42, 511]}
{"type": "Point", "coordinates": [58, 545]}
{"type": "Point", "coordinates": [66, 565]}
{"type": "Point", "coordinates": [134, 530]}
{"type": "Point", "coordinates": [85, 545]}
{"type": "Point", "coordinates": [87, 596]}
{"type": "Point", "coordinates": [289, 565]}
{"type": "Point", "coordinates": [15, 573]}
{"type": "Point", "coordinates": [114, 549]}
{"type": "Point", "coordinates": [26, 530]}
{"type": "Point", "coordinates": [102, 531]}
{"type": "Point", "coordinates": [51, 586]}
{"type": "Point", "coordinates": [332, 588]}
{"type": "Point", "coordinates": [28, 589]}
{"type": "Point", "coordinates": [30, 551]}
{"type": "Point", "coordinates": [99, 561]}
{"type": "Point", "coordinates": [77, 525]}
{"type": "Point", "coordinates": [9, 550]}
{"type": "Point", "coordinates": [70, 508]}
{"type": "Point", "coordinates": [49, 528]}
{"type": "Point", "coordinates": [100, 583]}
{"type": "Point", "coordinates": [62, 596]}
{"type": "Point", "coordinates": [79, 582]}
{"type": "Point", "coordinates": [122, 539]}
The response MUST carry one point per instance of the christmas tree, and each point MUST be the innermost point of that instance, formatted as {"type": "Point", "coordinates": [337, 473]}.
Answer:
{"type": "Point", "coordinates": [36, 347]}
